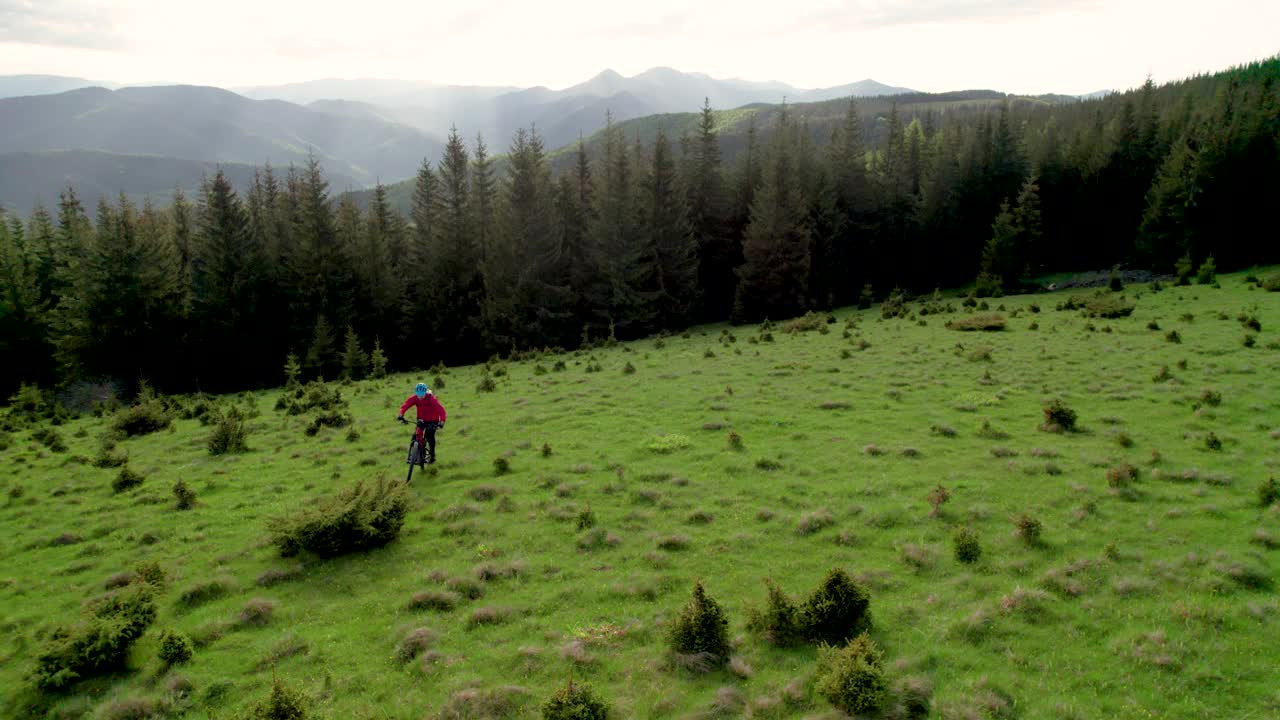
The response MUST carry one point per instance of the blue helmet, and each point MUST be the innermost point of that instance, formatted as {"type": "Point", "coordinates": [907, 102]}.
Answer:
{"type": "Point", "coordinates": [421, 390]}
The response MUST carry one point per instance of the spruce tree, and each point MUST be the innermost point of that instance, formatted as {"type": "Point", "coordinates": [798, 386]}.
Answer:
{"type": "Point", "coordinates": [321, 358]}
{"type": "Point", "coordinates": [718, 251]}
{"type": "Point", "coordinates": [355, 363]}
{"type": "Point", "coordinates": [227, 283]}
{"type": "Point", "coordinates": [670, 238]}
{"type": "Point", "coordinates": [773, 280]}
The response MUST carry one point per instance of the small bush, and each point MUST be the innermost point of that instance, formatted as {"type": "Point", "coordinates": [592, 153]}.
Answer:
{"type": "Point", "coordinates": [50, 438]}
{"type": "Point", "coordinates": [414, 643]}
{"type": "Point", "coordinates": [1108, 306]}
{"type": "Point", "coordinates": [1028, 529]}
{"type": "Point", "coordinates": [1173, 337]}
{"type": "Point", "coordinates": [546, 450]}
{"type": "Point", "coordinates": [575, 702]}
{"type": "Point", "coordinates": [850, 677]}
{"type": "Point", "coordinates": [1122, 475]}
{"type": "Point", "coordinates": [967, 548]}
{"type": "Point", "coordinates": [735, 440]}
{"type": "Point", "coordinates": [1212, 442]}
{"type": "Point", "coordinates": [1268, 492]}
{"type": "Point", "coordinates": [175, 648]}
{"type": "Point", "coordinates": [701, 629]}
{"type": "Point", "coordinates": [284, 703]}
{"type": "Point", "coordinates": [937, 498]}
{"type": "Point", "coordinates": [360, 518]}
{"type": "Point", "coordinates": [501, 466]}
{"type": "Point", "coordinates": [628, 369]}
{"type": "Point", "coordinates": [204, 592]}
{"type": "Point", "coordinates": [812, 522]}
{"type": "Point", "coordinates": [126, 480]}
{"type": "Point", "coordinates": [779, 621]}
{"type": "Point", "coordinates": [183, 495]}
{"type": "Point", "coordinates": [1207, 274]}
{"type": "Point", "coordinates": [438, 600]}
{"type": "Point", "coordinates": [486, 384]}
{"type": "Point", "coordinates": [989, 323]}
{"type": "Point", "coordinates": [99, 643]}
{"type": "Point", "coordinates": [256, 612]}
{"type": "Point", "coordinates": [837, 610]}
{"type": "Point", "coordinates": [147, 416]}
{"type": "Point", "coordinates": [1058, 417]}
{"type": "Point", "coordinates": [229, 434]}
{"type": "Point", "coordinates": [667, 444]}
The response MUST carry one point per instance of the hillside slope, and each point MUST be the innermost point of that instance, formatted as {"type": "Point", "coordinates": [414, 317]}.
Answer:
{"type": "Point", "coordinates": [577, 502]}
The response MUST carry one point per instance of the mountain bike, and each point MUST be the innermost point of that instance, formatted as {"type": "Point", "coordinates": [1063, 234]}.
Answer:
{"type": "Point", "coordinates": [416, 454]}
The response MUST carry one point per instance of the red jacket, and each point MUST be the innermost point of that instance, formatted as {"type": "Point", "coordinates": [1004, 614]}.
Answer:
{"type": "Point", "coordinates": [429, 408]}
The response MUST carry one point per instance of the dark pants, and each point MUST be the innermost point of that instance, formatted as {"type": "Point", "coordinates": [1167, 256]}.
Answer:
{"type": "Point", "coordinates": [429, 432]}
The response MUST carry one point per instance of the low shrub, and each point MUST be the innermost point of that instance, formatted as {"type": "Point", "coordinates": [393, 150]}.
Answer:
{"type": "Point", "coordinates": [414, 643]}
{"type": "Point", "coordinates": [184, 497]}
{"type": "Point", "coordinates": [229, 433]}
{"type": "Point", "coordinates": [99, 643]}
{"type": "Point", "coordinates": [1058, 417]}
{"type": "Point", "coordinates": [50, 438]}
{"type": "Point", "coordinates": [989, 323]}
{"type": "Point", "coordinates": [284, 703]}
{"type": "Point", "coordinates": [779, 621]}
{"type": "Point", "coordinates": [851, 678]}
{"type": "Point", "coordinates": [175, 648]}
{"type": "Point", "coordinates": [1028, 529]}
{"type": "Point", "coordinates": [1108, 306]}
{"type": "Point", "coordinates": [1122, 475]}
{"type": "Point", "coordinates": [701, 629]}
{"type": "Point", "coordinates": [837, 610]}
{"type": "Point", "coordinates": [1268, 492]}
{"type": "Point", "coordinates": [126, 480]}
{"type": "Point", "coordinates": [360, 518]}
{"type": "Point", "coordinates": [967, 548]}
{"type": "Point", "coordinates": [575, 702]}
{"type": "Point", "coordinates": [146, 416]}
{"type": "Point", "coordinates": [937, 498]}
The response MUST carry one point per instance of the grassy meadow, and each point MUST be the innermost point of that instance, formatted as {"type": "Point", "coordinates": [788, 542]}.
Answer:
{"type": "Point", "coordinates": [773, 454]}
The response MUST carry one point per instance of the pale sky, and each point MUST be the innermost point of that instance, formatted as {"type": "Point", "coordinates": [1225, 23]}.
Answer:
{"type": "Point", "coordinates": [1021, 46]}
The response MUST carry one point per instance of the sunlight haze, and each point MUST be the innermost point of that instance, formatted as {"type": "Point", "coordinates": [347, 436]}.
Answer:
{"type": "Point", "coordinates": [1021, 46]}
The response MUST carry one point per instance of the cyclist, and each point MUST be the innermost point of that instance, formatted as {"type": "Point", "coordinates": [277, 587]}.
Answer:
{"type": "Point", "coordinates": [431, 416]}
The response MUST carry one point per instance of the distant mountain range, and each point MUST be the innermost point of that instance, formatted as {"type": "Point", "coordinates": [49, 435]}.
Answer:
{"type": "Point", "coordinates": [362, 130]}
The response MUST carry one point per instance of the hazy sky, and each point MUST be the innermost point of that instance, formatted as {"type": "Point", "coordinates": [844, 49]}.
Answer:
{"type": "Point", "coordinates": [1024, 46]}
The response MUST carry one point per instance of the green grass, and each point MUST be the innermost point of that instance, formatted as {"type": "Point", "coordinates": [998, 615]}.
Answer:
{"type": "Point", "coordinates": [1155, 598]}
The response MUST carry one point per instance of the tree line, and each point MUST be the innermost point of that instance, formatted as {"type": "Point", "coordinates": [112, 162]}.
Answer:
{"type": "Point", "coordinates": [214, 292]}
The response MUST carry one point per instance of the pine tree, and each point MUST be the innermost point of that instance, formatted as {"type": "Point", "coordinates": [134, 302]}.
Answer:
{"type": "Point", "coordinates": [538, 301]}
{"type": "Point", "coordinates": [355, 363]}
{"type": "Point", "coordinates": [227, 282]}
{"type": "Point", "coordinates": [321, 358]}
{"type": "Point", "coordinates": [670, 238]}
{"type": "Point", "coordinates": [377, 361]}
{"type": "Point", "coordinates": [319, 273]}
{"type": "Point", "coordinates": [120, 317]}
{"type": "Point", "coordinates": [773, 279]}
{"type": "Point", "coordinates": [454, 286]}
{"type": "Point", "coordinates": [613, 239]}
{"type": "Point", "coordinates": [483, 201]}
{"type": "Point", "coordinates": [718, 251]}
{"type": "Point", "coordinates": [21, 322]}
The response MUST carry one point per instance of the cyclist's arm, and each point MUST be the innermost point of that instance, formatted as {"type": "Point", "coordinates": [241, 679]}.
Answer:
{"type": "Point", "coordinates": [407, 404]}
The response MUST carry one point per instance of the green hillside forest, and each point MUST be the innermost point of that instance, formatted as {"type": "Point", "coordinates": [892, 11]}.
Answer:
{"type": "Point", "coordinates": [818, 209]}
